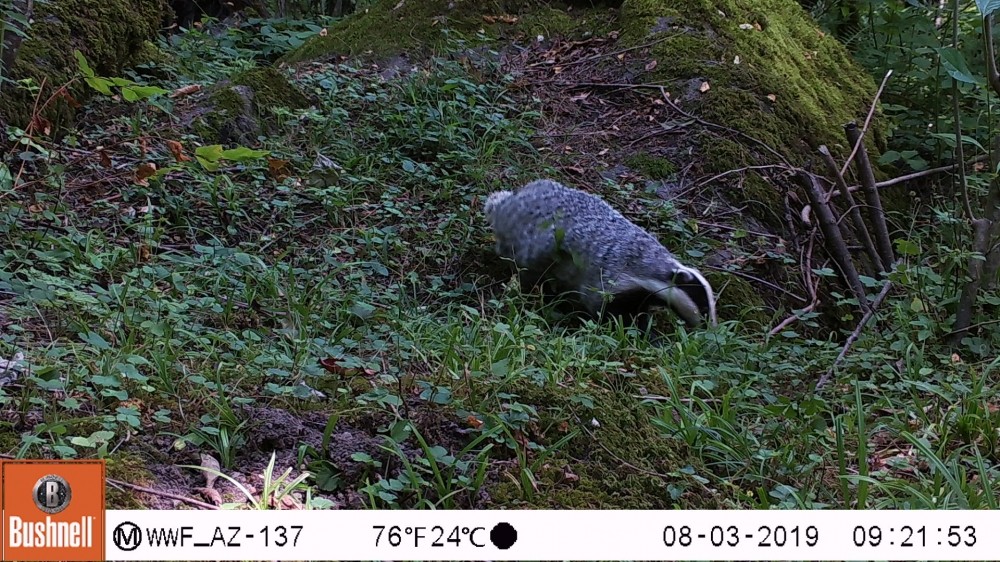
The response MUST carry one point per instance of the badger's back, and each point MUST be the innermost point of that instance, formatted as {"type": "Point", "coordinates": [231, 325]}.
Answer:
{"type": "Point", "coordinates": [555, 232]}
{"type": "Point", "coordinates": [545, 217]}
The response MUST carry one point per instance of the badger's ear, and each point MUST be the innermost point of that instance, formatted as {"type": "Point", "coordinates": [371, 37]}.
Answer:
{"type": "Point", "coordinates": [697, 290]}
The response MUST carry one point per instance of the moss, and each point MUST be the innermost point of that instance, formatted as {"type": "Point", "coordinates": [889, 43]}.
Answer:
{"type": "Point", "coordinates": [110, 33]}
{"type": "Point", "coordinates": [389, 27]}
{"type": "Point", "coordinates": [240, 107]}
{"type": "Point", "coordinates": [128, 468]}
{"type": "Point", "coordinates": [653, 167]}
{"type": "Point", "coordinates": [793, 88]}
{"type": "Point", "coordinates": [739, 294]}
{"type": "Point", "coordinates": [271, 88]}
{"type": "Point", "coordinates": [624, 463]}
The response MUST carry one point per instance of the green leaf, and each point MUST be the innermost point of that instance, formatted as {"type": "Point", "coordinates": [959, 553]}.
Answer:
{"type": "Point", "coordinates": [987, 7]}
{"type": "Point", "coordinates": [102, 85]}
{"type": "Point", "coordinates": [208, 156]}
{"type": "Point", "coordinates": [949, 139]}
{"type": "Point", "coordinates": [956, 66]}
{"type": "Point", "coordinates": [906, 247]}
{"type": "Point", "coordinates": [84, 67]}
{"type": "Point", "coordinates": [136, 92]}
{"type": "Point", "coordinates": [95, 340]}
{"type": "Point", "coordinates": [6, 178]}
{"type": "Point", "coordinates": [241, 153]}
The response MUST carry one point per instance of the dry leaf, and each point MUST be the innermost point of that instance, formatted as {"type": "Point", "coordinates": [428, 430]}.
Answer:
{"type": "Point", "coordinates": [569, 476]}
{"type": "Point", "coordinates": [104, 158]}
{"type": "Point", "coordinates": [177, 149]}
{"type": "Point", "coordinates": [143, 146]}
{"type": "Point", "coordinates": [278, 168]}
{"type": "Point", "coordinates": [211, 494]}
{"type": "Point", "coordinates": [580, 97]}
{"type": "Point", "coordinates": [36, 208]}
{"type": "Point", "coordinates": [185, 91]}
{"type": "Point", "coordinates": [144, 171]}
{"type": "Point", "coordinates": [473, 422]}
{"type": "Point", "coordinates": [651, 65]}
{"type": "Point", "coordinates": [288, 501]}
{"type": "Point", "coordinates": [69, 99]}
{"type": "Point", "coordinates": [704, 87]}
{"type": "Point", "coordinates": [503, 18]}
{"type": "Point", "coordinates": [209, 462]}
{"type": "Point", "coordinates": [331, 366]}
{"type": "Point", "coordinates": [42, 124]}
{"type": "Point", "coordinates": [143, 253]}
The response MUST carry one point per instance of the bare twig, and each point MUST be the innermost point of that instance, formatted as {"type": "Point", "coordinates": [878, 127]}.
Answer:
{"type": "Point", "coordinates": [991, 60]}
{"type": "Point", "coordinates": [162, 494]}
{"type": "Point", "coordinates": [875, 213]}
{"type": "Point", "coordinates": [788, 321]}
{"type": "Point", "coordinates": [855, 335]}
{"type": "Point", "coordinates": [864, 129]}
{"type": "Point", "coordinates": [759, 280]}
{"type": "Point", "coordinates": [807, 210]}
{"type": "Point", "coordinates": [614, 53]}
{"type": "Point", "coordinates": [855, 213]}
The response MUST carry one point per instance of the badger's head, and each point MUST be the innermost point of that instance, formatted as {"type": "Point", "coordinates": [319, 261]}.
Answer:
{"type": "Point", "coordinates": [686, 292]}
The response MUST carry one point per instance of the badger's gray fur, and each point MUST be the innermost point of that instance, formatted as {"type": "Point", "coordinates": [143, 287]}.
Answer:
{"type": "Point", "coordinates": [555, 233]}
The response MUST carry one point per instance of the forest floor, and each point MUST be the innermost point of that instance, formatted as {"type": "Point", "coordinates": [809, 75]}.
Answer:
{"type": "Point", "coordinates": [332, 304]}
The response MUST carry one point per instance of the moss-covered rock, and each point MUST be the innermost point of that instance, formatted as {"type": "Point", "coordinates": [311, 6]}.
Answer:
{"type": "Point", "coordinates": [653, 167]}
{"type": "Point", "coordinates": [238, 110]}
{"type": "Point", "coordinates": [771, 72]}
{"type": "Point", "coordinates": [110, 33]}
{"type": "Point", "coordinates": [392, 28]}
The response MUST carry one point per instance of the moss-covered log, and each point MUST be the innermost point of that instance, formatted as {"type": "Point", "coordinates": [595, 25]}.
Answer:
{"type": "Point", "coordinates": [112, 34]}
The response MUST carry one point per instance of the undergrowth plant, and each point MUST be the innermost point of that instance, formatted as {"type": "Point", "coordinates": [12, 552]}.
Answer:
{"type": "Point", "coordinates": [341, 273]}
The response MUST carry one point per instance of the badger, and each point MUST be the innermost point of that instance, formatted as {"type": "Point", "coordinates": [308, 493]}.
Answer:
{"type": "Point", "coordinates": [578, 242]}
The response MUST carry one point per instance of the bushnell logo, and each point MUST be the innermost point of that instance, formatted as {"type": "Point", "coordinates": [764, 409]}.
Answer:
{"type": "Point", "coordinates": [52, 493]}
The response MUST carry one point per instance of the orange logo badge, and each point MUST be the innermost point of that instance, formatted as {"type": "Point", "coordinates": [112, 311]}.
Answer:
{"type": "Point", "coordinates": [53, 510]}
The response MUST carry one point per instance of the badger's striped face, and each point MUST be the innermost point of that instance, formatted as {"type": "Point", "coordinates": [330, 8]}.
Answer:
{"type": "Point", "coordinates": [687, 293]}
{"type": "Point", "coordinates": [693, 295]}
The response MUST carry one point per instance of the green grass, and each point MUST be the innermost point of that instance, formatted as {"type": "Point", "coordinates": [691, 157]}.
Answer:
{"type": "Point", "coordinates": [361, 290]}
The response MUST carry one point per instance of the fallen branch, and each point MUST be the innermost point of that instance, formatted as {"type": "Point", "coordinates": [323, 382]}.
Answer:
{"type": "Point", "coordinates": [178, 497]}
{"type": "Point", "coordinates": [834, 241]}
{"type": "Point", "coordinates": [875, 213]}
{"type": "Point", "coordinates": [854, 335]}
{"type": "Point", "coordinates": [853, 210]}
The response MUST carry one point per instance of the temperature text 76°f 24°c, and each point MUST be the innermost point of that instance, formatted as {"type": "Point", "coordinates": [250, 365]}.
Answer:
{"type": "Point", "coordinates": [435, 536]}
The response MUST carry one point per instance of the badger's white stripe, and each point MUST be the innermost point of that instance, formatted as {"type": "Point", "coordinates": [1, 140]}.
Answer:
{"type": "Point", "coordinates": [708, 291]}
{"type": "Point", "coordinates": [678, 300]}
